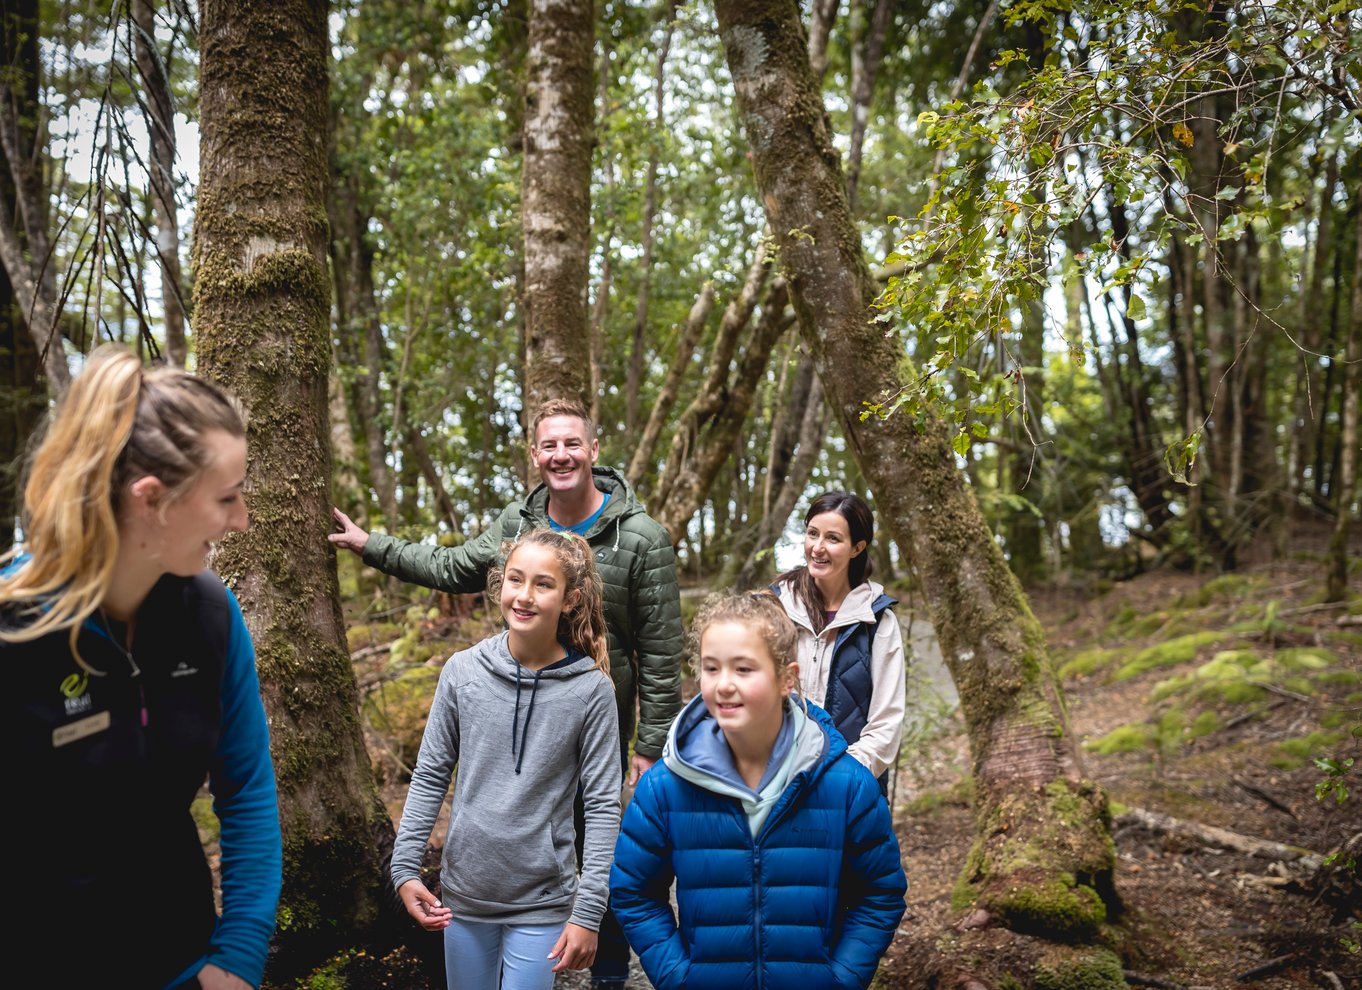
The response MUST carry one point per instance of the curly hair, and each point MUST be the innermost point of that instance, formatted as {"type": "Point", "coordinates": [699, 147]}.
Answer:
{"type": "Point", "coordinates": [583, 626]}
{"type": "Point", "coordinates": [760, 611]}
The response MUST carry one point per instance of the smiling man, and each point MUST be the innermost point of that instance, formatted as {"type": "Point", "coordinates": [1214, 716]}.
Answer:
{"type": "Point", "coordinates": [637, 566]}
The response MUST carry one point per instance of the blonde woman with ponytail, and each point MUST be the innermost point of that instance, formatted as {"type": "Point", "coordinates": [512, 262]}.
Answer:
{"type": "Point", "coordinates": [131, 679]}
{"type": "Point", "coordinates": [526, 715]}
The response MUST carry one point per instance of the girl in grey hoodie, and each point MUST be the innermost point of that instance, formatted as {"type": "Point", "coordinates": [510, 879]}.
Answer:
{"type": "Point", "coordinates": [527, 716]}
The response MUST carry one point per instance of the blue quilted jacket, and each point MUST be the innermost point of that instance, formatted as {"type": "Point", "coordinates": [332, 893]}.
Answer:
{"type": "Point", "coordinates": [811, 902]}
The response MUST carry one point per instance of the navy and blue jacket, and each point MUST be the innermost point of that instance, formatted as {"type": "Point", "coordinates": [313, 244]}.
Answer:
{"type": "Point", "coordinates": [113, 886]}
{"type": "Point", "coordinates": [811, 901]}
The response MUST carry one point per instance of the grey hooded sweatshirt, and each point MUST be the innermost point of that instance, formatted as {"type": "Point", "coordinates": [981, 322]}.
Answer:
{"type": "Point", "coordinates": [522, 741]}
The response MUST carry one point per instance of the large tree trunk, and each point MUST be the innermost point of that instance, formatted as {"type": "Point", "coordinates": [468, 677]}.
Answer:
{"type": "Point", "coordinates": [556, 201]}
{"type": "Point", "coordinates": [1042, 861]}
{"type": "Point", "coordinates": [262, 297]}
{"type": "Point", "coordinates": [160, 110]}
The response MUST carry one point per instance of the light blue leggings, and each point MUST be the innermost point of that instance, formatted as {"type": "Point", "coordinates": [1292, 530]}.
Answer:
{"type": "Point", "coordinates": [481, 956]}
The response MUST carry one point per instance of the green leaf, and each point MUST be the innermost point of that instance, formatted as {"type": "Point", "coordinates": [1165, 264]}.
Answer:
{"type": "Point", "coordinates": [1135, 309]}
{"type": "Point", "coordinates": [960, 443]}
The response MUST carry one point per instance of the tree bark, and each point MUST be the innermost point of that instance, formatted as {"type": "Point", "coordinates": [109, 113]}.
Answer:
{"type": "Point", "coordinates": [262, 305]}
{"type": "Point", "coordinates": [556, 201]}
{"type": "Point", "coordinates": [705, 437]}
{"type": "Point", "coordinates": [160, 109]}
{"type": "Point", "coordinates": [634, 380]}
{"type": "Point", "coordinates": [751, 558]}
{"type": "Point", "coordinates": [671, 385]}
{"type": "Point", "coordinates": [25, 250]}
{"type": "Point", "coordinates": [1042, 861]}
{"type": "Point", "coordinates": [1306, 403]}
{"type": "Point", "coordinates": [867, 50]}
{"type": "Point", "coordinates": [1344, 484]}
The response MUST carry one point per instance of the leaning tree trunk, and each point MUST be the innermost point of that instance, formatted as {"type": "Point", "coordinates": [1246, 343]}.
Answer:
{"type": "Point", "coordinates": [1042, 861]}
{"type": "Point", "coordinates": [262, 306]}
{"type": "Point", "coordinates": [556, 201]}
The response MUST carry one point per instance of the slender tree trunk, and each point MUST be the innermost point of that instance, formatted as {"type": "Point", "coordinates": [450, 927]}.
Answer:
{"type": "Point", "coordinates": [600, 310]}
{"type": "Point", "coordinates": [1344, 485]}
{"type": "Point", "coordinates": [262, 305]}
{"type": "Point", "coordinates": [671, 385]}
{"type": "Point", "coordinates": [556, 200]}
{"type": "Point", "coordinates": [866, 53]}
{"type": "Point", "coordinates": [418, 449]}
{"type": "Point", "coordinates": [1306, 401]}
{"type": "Point", "coordinates": [1042, 860]}
{"type": "Point", "coordinates": [358, 319]}
{"type": "Point", "coordinates": [638, 345]}
{"type": "Point", "coordinates": [705, 436]}
{"type": "Point", "coordinates": [822, 15]}
{"type": "Point", "coordinates": [24, 247]}
{"type": "Point", "coordinates": [22, 392]}
{"type": "Point", "coordinates": [161, 168]}
{"type": "Point", "coordinates": [752, 555]}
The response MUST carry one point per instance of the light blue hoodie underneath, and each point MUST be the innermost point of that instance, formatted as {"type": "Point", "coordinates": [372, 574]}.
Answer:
{"type": "Point", "coordinates": [697, 751]}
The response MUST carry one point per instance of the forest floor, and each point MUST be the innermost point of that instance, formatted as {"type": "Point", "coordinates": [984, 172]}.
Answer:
{"type": "Point", "coordinates": [1203, 700]}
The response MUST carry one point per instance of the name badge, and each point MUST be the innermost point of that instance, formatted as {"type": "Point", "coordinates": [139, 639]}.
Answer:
{"type": "Point", "coordinates": [79, 729]}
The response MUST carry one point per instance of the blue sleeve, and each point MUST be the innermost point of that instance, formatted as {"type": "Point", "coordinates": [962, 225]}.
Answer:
{"type": "Point", "coordinates": [242, 782]}
{"type": "Point", "coordinates": [872, 884]}
{"type": "Point", "coordinates": [640, 884]}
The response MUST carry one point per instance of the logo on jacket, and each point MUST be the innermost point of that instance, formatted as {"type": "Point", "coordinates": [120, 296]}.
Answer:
{"type": "Point", "coordinates": [73, 688]}
{"type": "Point", "coordinates": [183, 669]}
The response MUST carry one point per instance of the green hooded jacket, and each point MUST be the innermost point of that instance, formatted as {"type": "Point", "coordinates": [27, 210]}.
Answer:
{"type": "Point", "coordinates": [642, 601]}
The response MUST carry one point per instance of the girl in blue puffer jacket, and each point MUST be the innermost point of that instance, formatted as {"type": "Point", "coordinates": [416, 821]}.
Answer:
{"type": "Point", "coordinates": [786, 866]}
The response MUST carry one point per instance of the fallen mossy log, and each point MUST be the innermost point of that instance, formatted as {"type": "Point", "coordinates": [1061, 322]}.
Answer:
{"type": "Point", "coordinates": [1221, 838]}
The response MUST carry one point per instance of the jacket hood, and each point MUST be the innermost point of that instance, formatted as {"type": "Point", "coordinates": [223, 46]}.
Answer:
{"type": "Point", "coordinates": [623, 502]}
{"type": "Point", "coordinates": [858, 606]}
{"type": "Point", "coordinates": [808, 744]}
{"type": "Point", "coordinates": [494, 656]}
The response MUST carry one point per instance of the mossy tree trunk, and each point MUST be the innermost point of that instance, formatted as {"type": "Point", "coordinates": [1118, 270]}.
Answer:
{"type": "Point", "coordinates": [1043, 859]}
{"type": "Point", "coordinates": [556, 200]}
{"type": "Point", "coordinates": [262, 310]}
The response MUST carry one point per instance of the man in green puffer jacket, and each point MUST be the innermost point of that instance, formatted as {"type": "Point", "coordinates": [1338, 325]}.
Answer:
{"type": "Point", "coordinates": [633, 553]}
{"type": "Point", "coordinates": [638, 570]}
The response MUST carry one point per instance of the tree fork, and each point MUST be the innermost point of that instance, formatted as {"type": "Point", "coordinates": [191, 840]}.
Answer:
{"type": "Point", "coordinates": [1043, 859]}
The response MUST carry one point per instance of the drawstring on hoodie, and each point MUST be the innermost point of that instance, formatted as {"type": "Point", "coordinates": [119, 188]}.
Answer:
{"type": "Point", "coordinates": [515, 724]}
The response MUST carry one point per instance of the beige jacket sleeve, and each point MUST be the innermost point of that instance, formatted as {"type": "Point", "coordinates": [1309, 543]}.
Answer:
{"type": "Point", "coordinates": [878, 747]}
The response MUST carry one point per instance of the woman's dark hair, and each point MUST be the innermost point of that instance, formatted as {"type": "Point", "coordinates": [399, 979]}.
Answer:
{"type": "Point", "coordinates": [861, 525]}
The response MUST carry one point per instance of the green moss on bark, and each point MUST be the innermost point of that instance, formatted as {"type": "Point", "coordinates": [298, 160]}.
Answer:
{"type": "Point", "coordinates": [1087, 969]}
{"type": "Point", "coordinates": [1043, 863]}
